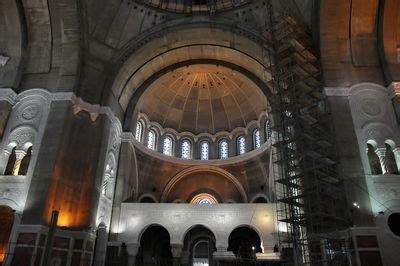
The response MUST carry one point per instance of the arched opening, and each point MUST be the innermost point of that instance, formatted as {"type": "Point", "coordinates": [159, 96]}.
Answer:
{"type": "Point", "coordinates": [199, 244]}
{"type": "Point", "coordinates": [147, 199]}
{"type": "Point", "coordinates": [204, 150]}
{"type": "Point", "coordinates": [11, 162]}
{"type": "Point", "coordinates": [151, 139]}
{"type": "Point", "coordinates": [204, 179]}
{"type": "Point", "coordinates": [223, 149]}
{"type": "Point", "coordinates": [155, 248]}
{"type": "Point", "coordinates": [6, 223]}
{"type": "Point", "coordinates": [186, 149]}
{"type": "Point", "coordinates": [390, 160]}
{"type": "Point", "coordinates": [244, 242]}
{"type": "Point", "coordinates": [168, 146]}
{"type": "Point", "coordinates": [25, 162]}
{"type": "Point", "coordinates": [204, 198]}
{"type": "Point", "coordinates": [241, 145]}
{"type": "Point", "coordinates": [373, 160]}
{"type": "Point", "coordinates": [267, 130]}
{"type": "Point", "coordinates": [256, 139]}
{"type": "Point", "coordinates": [139, 131]}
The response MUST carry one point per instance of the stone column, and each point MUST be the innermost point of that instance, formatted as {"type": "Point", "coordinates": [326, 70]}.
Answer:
{"type": "Point", "coordinates": [101, 246]}
{"type": "Point", "coordinates": [133, 249]}
{"type": "Point", "coordinates": [381, 153]}
{"type": "Point", "coordinates": [176, 250]}
{"type": "Point", "coordinates": [19, 155]}
{"type": "Point", "coordinates": [396, 153]}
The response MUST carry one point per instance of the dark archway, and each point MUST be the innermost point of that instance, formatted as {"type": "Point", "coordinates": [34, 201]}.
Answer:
{"type": "Point", "coordinates": [6, 223]}
{"type": "Point", "coordinates": [23, 170]}
{"type": "Point", "coordinates": [155, 248]}
{"type": "Point", "coordinates": [199, 245]}
{"type": "Point", "coordinates": [10, 163]}
{"type": "Point", "coordinates": [244, 242]}
{"type": "Point", "coordinates": [373, 160]}
{"type": "Point", "coordinates": [147, 199]}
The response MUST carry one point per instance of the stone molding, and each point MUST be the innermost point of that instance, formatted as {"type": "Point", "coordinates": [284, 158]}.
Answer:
{"type": "Point", "coordinates": [94, 110]}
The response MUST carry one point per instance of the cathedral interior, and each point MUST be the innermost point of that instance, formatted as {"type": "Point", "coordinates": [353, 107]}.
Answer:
{"type": "Point", "coordinates": [199, 132]}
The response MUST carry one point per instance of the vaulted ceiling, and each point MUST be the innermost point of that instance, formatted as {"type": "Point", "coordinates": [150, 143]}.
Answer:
{"type": "Point", "coordinates": [203, 99]}
{"type": "Point", "coordinates": [80, 46]}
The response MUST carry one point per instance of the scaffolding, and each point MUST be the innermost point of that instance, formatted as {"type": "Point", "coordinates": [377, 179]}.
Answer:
{"type": "Point", "coordinates": [311, 205]}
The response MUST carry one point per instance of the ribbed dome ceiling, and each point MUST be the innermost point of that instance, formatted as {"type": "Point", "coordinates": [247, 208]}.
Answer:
{"type": "Point", "coordinates": [195, 6]}
{"type": "Point", "coordinates": [203, 98]}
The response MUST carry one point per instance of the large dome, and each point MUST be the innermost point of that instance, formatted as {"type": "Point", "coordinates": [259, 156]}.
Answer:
{"type": "Point", "coordinates": [203, 99]}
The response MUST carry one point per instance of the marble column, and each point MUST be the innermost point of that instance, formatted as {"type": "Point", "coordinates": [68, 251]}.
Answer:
{"type": "Point", "coordinates": [381, 153]}
{"type": "Point", "coordinates": [396, 153]}
{"type": "Point", "coordinates": [101, 246]}
{"type": "Point", "coordinates": [19, 155]}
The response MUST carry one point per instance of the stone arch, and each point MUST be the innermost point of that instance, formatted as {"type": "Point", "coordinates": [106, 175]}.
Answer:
{"type": "Point", "coordinates": [147, 195]}
{"type": "Point", "coordinates": [147, 226]}
{"type": "Point", "coordinates": [155, 246]}
{"type": "Point", "coordinates": [376, 133]}
{"type": "Point", "coordinates": [209, 228]}
{"type": "Point", "coordinates": [258, 196]}
{"type": "Point", "coordinates": [201, 168]}
{"type": "Point", "coordinates": [195, 235]}
{"type": "Point", "coordinates": [154, 52]}
{"type": "Point", "coordinates": [244, 241]}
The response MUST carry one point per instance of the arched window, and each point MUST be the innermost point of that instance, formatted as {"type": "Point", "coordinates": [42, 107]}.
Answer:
{"type": "Point", "coordinates": [204, 198]}
{"type": "Point", "coordinates": [373, 159]}
{"type": "Point", "coordinates": [139, 131]}
{"type": "Point", "coordinates": [241, 145]}
{"type": "Point", "coordinates": [186, 149]}
{"type": "Point", "coordinates": [204, 150]}
{"type": "Point", "coordinates": [25, 162]}
{"type": "Point", "coordinates": [267, 130]}
{"type": "Point", "coordinates": [256, 139]}
{"type": "Point", "coordinates": [11, 162]}
{"type": "Point", "coordinates": [151, 139]}
{"type": "Point", "coordinates": [167, 146]}
{"type": "Point", "coordinates": [223, 149]}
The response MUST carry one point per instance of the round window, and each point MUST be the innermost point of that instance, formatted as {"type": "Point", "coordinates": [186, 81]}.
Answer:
{"type": "Point", "coordinates": [394, 223]}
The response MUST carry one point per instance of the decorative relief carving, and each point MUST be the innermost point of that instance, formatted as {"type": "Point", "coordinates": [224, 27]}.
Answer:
{"type": "Point", "coordinates": [370, 106]}
{"type": "Point", "coordinates": [30, 112]}
{"type": "Point", "coordinates": [22, 135]}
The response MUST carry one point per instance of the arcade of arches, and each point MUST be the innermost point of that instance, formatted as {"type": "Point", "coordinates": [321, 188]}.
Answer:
{"type": "Point", "coordinates": [137, 132]}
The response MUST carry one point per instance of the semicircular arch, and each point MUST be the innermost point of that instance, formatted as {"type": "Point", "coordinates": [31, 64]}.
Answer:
{"type": "Point", "coordinates": [201, 168]}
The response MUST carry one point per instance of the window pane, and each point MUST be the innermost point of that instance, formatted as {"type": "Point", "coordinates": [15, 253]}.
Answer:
{"type": "Point", "coordinates": [257, 139]}
{"type": "Point", "coordinates": [186, 149]}
{"type": "Point", "coordinates": [139, 130]}
{"type": "Point", "coordinates": [204, 150]}
{"type": "Point", "coordinates": [267, 130]}
{"type": "Point", "coordinates": [223, 150]}
{"type": "Point", "coordinates": [241, 145]}
{"type": "Point", "coordinates": [167, 147]}
{"type": "Point", "coordinates": [151, 140]}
